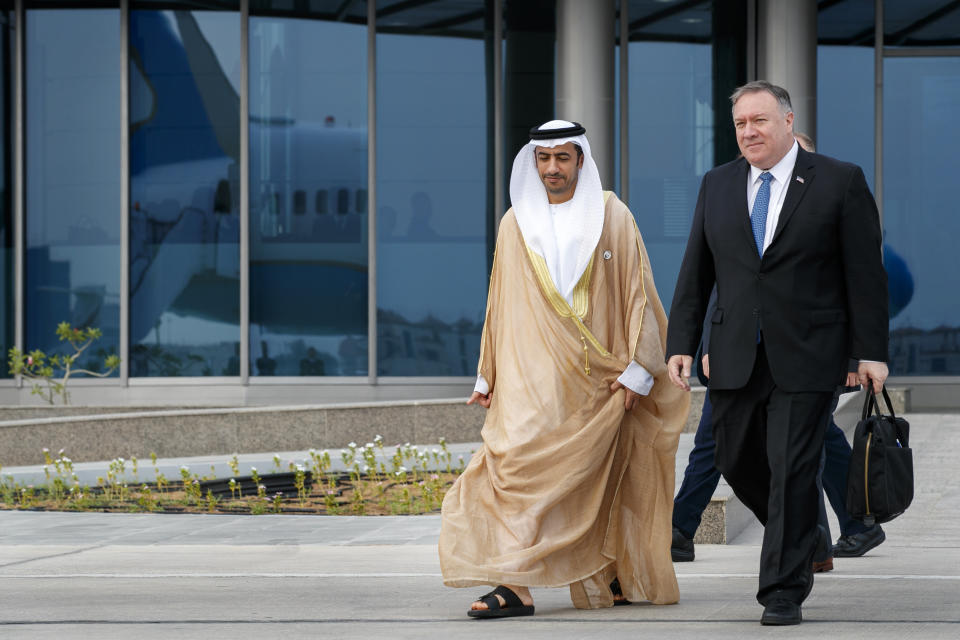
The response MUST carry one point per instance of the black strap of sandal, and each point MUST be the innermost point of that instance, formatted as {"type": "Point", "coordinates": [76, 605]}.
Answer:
{"type": "Point", "coordinates": [615, 587]}
{"type": "Point", "coordinates": [510, 598]}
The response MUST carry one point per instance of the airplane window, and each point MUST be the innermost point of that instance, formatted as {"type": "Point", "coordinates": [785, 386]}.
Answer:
{"type": "Point", "coordinates": [299, 202]}
{"type": "Point", "coordinates": [361, 202]}
{"type": "Point", "coordinates": [343, 201]}
{"type": "Point", "coordinates": [321, 201]}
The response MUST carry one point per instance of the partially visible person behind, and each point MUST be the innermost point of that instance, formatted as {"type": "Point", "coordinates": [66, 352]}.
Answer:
{"type": "Point", "coordinates": [573, 482]}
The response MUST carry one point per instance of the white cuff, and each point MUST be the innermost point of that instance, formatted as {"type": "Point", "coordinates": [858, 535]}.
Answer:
{"type": "Point", "coordinates": [482, 387]}
{"type": "Point", "coordinates": [636, 378]}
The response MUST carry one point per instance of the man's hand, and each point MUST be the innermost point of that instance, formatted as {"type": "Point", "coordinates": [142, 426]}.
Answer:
{"type": "Point", "coordinates": [630, 399]}
{"type": "Point", "coordinates": [852, 379]}
{"type": "Point", "coordinates": [482, 400]}
{"type": "Point", "coordinates": [679, 369]}
{"type": "Point", "coordinates": [873, 372]}
{"type": "Point", "coordinates": [705, 365]}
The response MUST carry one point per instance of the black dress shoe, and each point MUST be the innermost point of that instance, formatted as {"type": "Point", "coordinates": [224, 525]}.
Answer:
{"type": "Point", "coordinates": [859, 543]}
{"type": "Point", "coordinates": [681, 548]}
{"type": "Point", "coordinates": [780, 613]}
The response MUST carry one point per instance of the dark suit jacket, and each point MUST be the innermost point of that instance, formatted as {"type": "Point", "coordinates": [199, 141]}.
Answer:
{"type": "Point", "coordinates": [819, 295]}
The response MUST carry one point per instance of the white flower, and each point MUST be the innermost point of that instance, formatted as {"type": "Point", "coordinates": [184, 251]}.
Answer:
{"type": "Point", "coordinates": [369, 445]}
{"type": "Point", "coordinates": [300, 467]}
{"type": "Point", "coordinates": [184, 468]}
{"type": "Point", "coordinates": [252, 469]}
{"type": "Point", "coordinates": [352, 445]}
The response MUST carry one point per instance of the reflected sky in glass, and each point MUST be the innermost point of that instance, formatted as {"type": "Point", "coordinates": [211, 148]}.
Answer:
{"type": "Point", "coordinates": [72, 177]}
{"type": "Point", "coordinates": [6, 194]}
{"type": "Point", "coordinates": [920, 218]}
{"type": "Point", "coordinates": [432, 204]}
{"type": "Point", "coordinates": [671, 147]}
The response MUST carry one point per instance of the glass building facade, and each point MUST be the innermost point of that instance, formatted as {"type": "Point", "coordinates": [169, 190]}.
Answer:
{"type": "Point", "coordinates": [276, 192]}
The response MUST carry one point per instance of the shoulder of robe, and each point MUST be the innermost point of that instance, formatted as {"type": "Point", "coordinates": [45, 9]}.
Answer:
{"type": "Point", "coordinates": [616, 211]}
{"type": "Point", "coordinates": [508, 225]}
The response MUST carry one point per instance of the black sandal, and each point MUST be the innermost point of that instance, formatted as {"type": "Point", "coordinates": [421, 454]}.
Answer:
{"type": "Point", "coordinates": [514, 606]}
{"type": "Point", "coordinates": [618, 593]}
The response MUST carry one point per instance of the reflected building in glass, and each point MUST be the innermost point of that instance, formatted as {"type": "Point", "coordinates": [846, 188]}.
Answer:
{"type": "Point", "coordinates": [267, 201]}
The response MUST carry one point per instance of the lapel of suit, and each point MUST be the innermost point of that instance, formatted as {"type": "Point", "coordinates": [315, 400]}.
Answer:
{"type": "Point", "coordinates": [803, 175]}
{"type": "Point", "coordinates": [740, 208]}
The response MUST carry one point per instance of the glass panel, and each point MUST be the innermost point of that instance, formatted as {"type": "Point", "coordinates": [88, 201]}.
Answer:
{"type": "Point", "coordinates": [433, 201]}
{"type": "Point", "coordinates": [845, 105]}
{"type": "Point", "coordinates": [919, 203]}
{"type": "Point", "coordinates": [6, 192]}
{"type": "Point", "coordinates": [72, 177]}
{"type": "Point", "coordinates": [921, 23]}
{"type": "Point", "coordinates": [308, 185]}
{"type": "Point", "coordinates": [676, 22]}
{"type": "Point", "coordinates": [671, 147]}
{"type": "Point", "coordinates": [184, 186]}
{"type": "Point", "coordinates": [846, 23]}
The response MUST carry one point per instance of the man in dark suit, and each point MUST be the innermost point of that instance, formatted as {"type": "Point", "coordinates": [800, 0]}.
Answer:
{"type": "Point", "coordinates": [791, 240]}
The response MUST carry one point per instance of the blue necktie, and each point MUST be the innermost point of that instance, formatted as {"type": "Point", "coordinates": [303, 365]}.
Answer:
{"type": "Point", "coordinates": [758, 217]}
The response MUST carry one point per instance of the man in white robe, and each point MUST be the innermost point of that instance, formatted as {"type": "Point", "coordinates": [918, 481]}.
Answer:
{"type": "Point", "coordinates": [573, 485]}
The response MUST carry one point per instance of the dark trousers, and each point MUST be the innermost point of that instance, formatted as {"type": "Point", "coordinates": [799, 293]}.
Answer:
{"type": "Point", "coordinates": [700, 478]}
{"type": "Point", "coordinates": [768, 447]}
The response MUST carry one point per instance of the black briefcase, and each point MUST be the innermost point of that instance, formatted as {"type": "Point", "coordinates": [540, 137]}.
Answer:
{"type": "Point", "coordinates": [880, 479]}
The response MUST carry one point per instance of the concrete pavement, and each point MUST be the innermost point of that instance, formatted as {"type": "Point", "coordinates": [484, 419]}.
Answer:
{"type": "Point", "coordinates": [89, 575]}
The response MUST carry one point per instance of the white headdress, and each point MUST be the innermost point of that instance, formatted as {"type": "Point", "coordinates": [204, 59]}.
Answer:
{"type": "Point", "coordinates": [532, 208]}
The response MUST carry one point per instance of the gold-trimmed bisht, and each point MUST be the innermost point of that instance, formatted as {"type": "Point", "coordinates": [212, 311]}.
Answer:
{"type": "Point", "coordinates": [581, 296]}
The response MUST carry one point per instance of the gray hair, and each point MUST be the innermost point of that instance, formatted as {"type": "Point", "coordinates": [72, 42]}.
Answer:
{"type": "Point", "coordinates": [783, 98]}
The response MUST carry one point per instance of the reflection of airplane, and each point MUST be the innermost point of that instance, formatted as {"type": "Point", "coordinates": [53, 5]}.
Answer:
{"type": "Point", "coordinates": [899, 280]}
{"type": "Point", "coordinates": [307, 206]}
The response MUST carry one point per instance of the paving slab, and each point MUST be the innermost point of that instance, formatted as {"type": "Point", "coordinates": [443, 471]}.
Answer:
{"type": "Point", "coordinates": [104, 576]}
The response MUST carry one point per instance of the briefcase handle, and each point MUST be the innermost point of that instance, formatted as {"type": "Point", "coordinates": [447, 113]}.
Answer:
{"type": "Point", "coordinates": [870, 402]}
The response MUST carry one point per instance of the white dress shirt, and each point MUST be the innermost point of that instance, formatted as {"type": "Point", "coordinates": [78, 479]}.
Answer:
{"type": "Point", "coordinates": [782, 173]}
